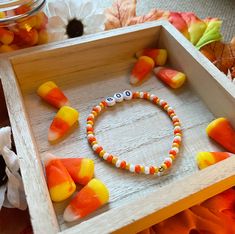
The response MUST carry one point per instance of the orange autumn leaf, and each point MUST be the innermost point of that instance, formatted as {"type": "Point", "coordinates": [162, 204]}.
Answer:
{"type": "Point", "coordinates": [120, 14]}
{"type": "Point", "coordinates": [154, 14]}
{"type": "Point", "coordinates": [222, 55]}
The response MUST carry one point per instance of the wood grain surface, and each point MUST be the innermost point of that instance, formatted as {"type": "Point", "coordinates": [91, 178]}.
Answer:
{"type": "Point", "coordinates": [137, 131]}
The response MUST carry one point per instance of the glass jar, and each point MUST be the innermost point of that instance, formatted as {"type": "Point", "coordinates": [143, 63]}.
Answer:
{"type": "Point", "coordinates": [22, 24]}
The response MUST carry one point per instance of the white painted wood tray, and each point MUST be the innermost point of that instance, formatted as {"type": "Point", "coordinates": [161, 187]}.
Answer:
{"type": "Point", "coordinates": [97, 66]}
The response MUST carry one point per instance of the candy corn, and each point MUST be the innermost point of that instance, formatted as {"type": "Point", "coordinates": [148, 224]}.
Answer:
{"type": "Point", "coordinates": [91, 197]}
{"type": "Point", "coordinates": [65, 118]}
{"type": "Point", "coordinates": [60, 183]}
{"type": "Point", "coordinates": [222, 132]}
{"type": "Point", "coordinates": [205, 159]}
{"type": "Point", "coordinates": [52, 94]}
{"type": "Point", "coordinates": [142, 68]}
{"type": "Point", "coordinates": [169, 76]}
{"type": "Point", "coordinates": [27, 38]}
{"type": "Point", "coordinates": [158, 55]}
{"type": "Point", "coordinates": [6, 36]}
{"type": "Point", "coordinates": [80, 169]}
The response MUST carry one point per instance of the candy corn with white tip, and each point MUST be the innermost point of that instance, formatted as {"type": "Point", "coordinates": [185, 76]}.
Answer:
{"type": "Point", "coordinates": [223, 133]}
{"type": "Point", "coordinates": [158, 55]}
{"type": "Point", "coordinates": [142, 69]}
{"type": "Point", "coordinates": [173, 78]}
{"type": "Point", "coordinates": [52, 94]}
{"type": "Point", "coordinates": [65, 118]}
{"type": "Point", "coordinates": [205, 159]}
{"type": "Point", "coordinates": [60, 184]}
{"type": "Point", "coordinates": [80, 169]}
{"type": "Point", "coordinates": [88, 199]}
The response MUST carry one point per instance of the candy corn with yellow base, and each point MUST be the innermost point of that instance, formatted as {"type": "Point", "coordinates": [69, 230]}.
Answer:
{"type": "Point", "coordinates": [80, 169]}
{"type": "Point", "coordinates": [88, 199]}
{"type": "Point", "coordinates": [50, 92]}
{"type": "Point", "coordinates": [205, 159]}
{"type": "Point", "coordinates": [60, 183]}
{"type": "Point", "coordinates": [170, 77]}
{"type": "Point", "coordinates": [223, 133]}
{"type": "Point", "coordinates": [65, 118]}
{"type": "Point", "coordinates": [141, 69]}
{"type": "Point", "coordinates": [158, 55]}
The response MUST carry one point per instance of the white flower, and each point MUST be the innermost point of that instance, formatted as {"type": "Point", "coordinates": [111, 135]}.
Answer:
{"type": "Point", "coordinates": [73, 18]}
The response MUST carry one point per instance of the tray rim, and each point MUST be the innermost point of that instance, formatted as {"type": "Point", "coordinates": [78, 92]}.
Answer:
{"type": "Point", "coordinates": [124, 224]}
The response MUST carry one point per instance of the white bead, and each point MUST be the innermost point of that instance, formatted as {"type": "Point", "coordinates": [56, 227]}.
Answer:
{"type": "Point", "coordinates": [146, 170]}
{"type": "Point", "coordinates": [161, 102]}
{"type": "Point", "coordinates": [127, 94]}
{"type": "Point", "coordinates": [177, 138]}
{"type": "Point", "coordinates": [132, 168]}
{"type": "Point", "coordinates": [152, 96]}
{"type": "Point", "coordinates": [89, 126]}
{"type": "Point", "coordinates": [168, 160]}
{"type": "Point", "coordinates": [118, 163]}
{"type": "Point", "coordinates": [169, 108]}
{"type": "Point", "coordinates": [141, 94]}
{"type": "Point", "coordinates": [91, 115]}
{"type": "Point", "coordinates": [105, 156]}
{"type": "Point", "coordinates": [118, 97]}
{"type": "Point", "coordinates": [177, 128]}
{"type": "Point", "coordinates": [95, 146]}
{"type": "Point", "coordinates": [175, 117]}
{"type": "Point", "coordinates": [110, 101]}
{"type": "Point", "coordinates": [98, 108]}
{"type": "Point", "coordinates": [89, 136]}
{"type": "Point", "coordinates": [175, 149]}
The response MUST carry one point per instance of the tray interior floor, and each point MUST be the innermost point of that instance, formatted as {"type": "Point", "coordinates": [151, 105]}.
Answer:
{"type": "Point", "coordinates": [137, 131]}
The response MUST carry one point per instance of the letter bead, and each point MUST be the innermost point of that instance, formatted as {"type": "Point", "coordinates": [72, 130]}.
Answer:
{"type": "Point", "coordinates": [118, 97]}
{"type": "Point", "coordinates": [127, 94]}
{"type": "Point", "coordinates": [110, 101]}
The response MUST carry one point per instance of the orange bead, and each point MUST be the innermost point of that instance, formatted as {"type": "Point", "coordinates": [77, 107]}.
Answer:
{"type": "Point", "coordinates": [137, 168]}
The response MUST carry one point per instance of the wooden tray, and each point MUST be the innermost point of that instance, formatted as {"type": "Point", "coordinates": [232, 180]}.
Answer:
{"type": "Point", "coordinates": [88, 70]}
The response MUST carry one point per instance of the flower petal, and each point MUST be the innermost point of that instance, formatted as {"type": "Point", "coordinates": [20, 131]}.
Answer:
{"type": "Point", "coordinates": [56, 36]}
{"type": "Point", "coordinates": [55, 22]}
{"type": "Point", "coordinates": [86, 9]}
{"type": "Point", "coordinates": [59, 8]}
{"type": "Point", "coordinates": [94, 23]}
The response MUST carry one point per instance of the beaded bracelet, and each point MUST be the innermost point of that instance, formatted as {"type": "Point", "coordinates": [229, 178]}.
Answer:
{"type": "Point", "coordinates": [128, 95]}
